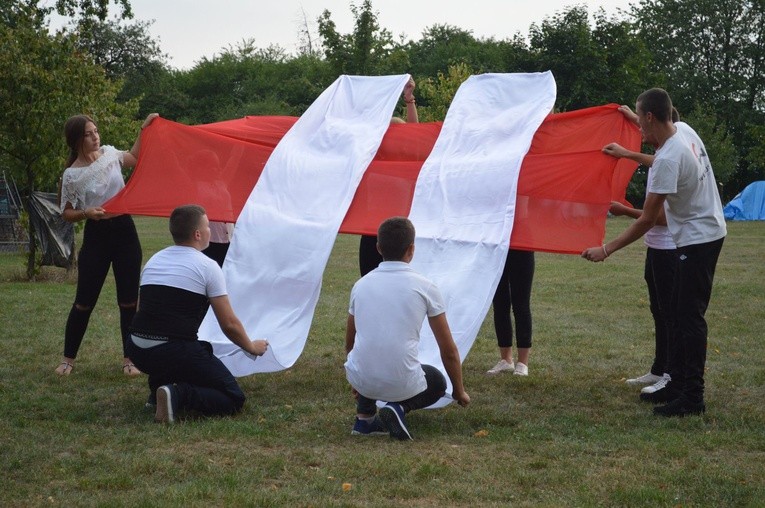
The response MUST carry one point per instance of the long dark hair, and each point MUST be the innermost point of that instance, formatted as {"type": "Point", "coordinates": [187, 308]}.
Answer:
{"type": "Point", "coordinates": [74, 131]}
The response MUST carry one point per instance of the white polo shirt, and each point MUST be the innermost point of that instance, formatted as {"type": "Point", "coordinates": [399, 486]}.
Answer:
{"type": "Point", "coordinates": [389, 306]}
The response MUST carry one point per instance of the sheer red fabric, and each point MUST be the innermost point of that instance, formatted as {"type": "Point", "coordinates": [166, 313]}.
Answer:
{"type": "Point", "coordinates": [564, 190]}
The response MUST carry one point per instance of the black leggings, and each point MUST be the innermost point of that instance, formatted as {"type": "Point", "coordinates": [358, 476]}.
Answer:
{"type": "Point", "coordinates": [108, 242]}
{"type": "Point", "coordinates": [514, 290]}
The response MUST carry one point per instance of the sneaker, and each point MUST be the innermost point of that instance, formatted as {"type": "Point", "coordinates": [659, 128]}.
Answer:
{"type": "Point", "coordinates": [151, 401]}
{"type": "Point", "coordinates": [521, 369]}
{"type": "Point", "coordinates": [661, 383]}
{"type": "Point", "coordinates": [680, 407]}
{"type": "Point", "coordinates": [368, 428]}
{"type": "Point", "coordinates": [392, 416]}
{"type": "Point", "coordinates": [501, 366]}
{"type": "Point", "coordinates": [645, 379]}
{"type": "Point", "coordinates": [666, 394]}
{"type": "Point", "coordinates": [166, 404]}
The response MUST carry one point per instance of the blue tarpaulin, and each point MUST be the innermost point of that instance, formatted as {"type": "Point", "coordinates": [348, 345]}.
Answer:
{"type": "Point", "coordinates": [749, 204]}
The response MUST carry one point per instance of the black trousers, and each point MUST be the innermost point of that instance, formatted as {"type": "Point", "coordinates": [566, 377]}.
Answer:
{"type": "Point", "coordinates": [514, 291]}
{"type": "Point", "coordinates": [660, 266]}
{"type": "Point", "coordinates": [690, 297]}
{"type": "Point", "coordinates": [435, 390]}
{"type": "Point", "coordinates": [204, 384]}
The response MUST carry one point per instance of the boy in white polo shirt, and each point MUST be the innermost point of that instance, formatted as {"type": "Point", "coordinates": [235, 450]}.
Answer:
{"type": "Point", "coordinates": [387, 309]}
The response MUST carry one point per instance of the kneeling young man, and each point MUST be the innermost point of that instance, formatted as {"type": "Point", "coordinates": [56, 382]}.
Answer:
{"type": "Point", "coordinates": [178, 284]}
{"type": "Point", "coordinates": [387, 309]}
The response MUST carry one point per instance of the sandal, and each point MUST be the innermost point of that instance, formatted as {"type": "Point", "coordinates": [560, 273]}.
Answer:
{"type": "Point", "coordinates": [64, 368]}
{"type": "Point", "coordinates": [131, 370]}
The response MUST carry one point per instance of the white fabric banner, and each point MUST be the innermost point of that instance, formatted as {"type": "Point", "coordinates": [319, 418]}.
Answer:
{"type": "Point", "coordinates": [289, 224]}
{"type": "Point", "coordinates": [464, 201]}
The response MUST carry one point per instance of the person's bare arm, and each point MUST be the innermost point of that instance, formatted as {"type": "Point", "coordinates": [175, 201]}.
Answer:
{"type": "Point", "coordinates": [450, 357]}
{"type": "Point", "coordinates": [350, 333]}
{"type": "Point", "coordinates": [130, 158]}
{"type": "Point", "coordinates": [618, 151]}
{"type": "Point", "coordinates": [652, 210]}
{"type": "Point", "coordinates": [233, 328]}
{"type": "Point", "coordinates": [411, 105]}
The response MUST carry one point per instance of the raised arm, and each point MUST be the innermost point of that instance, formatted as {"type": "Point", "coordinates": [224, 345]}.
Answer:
{"type": "Point", "coordinates": [450, 357]}
{"type": "Point", "coordinates": [411, 104]}
{"type": "Point", "coordinates": [618, 151]}
{"type": "Point", "coordinates": [131, 158]}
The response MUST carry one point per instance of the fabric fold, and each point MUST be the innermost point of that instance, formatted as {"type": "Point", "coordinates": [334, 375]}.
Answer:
{"type": "Point", "coordinates": [464, 201]}
{"type": "Point", "coordinates": [288, 225]}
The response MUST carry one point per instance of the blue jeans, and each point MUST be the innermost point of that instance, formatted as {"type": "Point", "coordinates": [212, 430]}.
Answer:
{"type": "Point", "coordinates": [436, 388]}
{"type": "Point", "coordinates": [204, 384]}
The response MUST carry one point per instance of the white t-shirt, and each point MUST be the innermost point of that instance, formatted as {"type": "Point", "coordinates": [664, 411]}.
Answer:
{"type": "Point", "coordinates": [682, 171]}
{"type": "Point", "coordinates": [658, 237]}
{"type": "Point", "coordinates": [389, 306]}
{"type": "Point", "coordinates": [186, 268]}
{"type": "Point", "coordinates": [94, 184]}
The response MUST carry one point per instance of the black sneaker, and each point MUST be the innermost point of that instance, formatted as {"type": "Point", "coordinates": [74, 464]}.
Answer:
{"type": "Point", "coordinates": [680, 407]}
{"type": "Point", "coordinates": [666, 394]}
{"type": "Point", "coordinates": [392, 416]}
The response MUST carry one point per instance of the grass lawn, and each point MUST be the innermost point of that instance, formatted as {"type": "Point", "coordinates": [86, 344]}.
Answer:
{"type": "Point", "coordinates": [571, 434]}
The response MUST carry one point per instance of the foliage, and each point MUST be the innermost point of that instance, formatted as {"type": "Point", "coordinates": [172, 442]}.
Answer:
{"type": "Point", "coordinates": [43, 81]}
{"type": "Point", "coordinates": [438, 93]}
{"type": "Point", "coordinates": [368, 50]}
{"type": "Point", "coordinates": [713, 55]}
{"type": "Point", "coordinates": [592, 66]}
{"type": "Point", "coordinates": [443, 45]}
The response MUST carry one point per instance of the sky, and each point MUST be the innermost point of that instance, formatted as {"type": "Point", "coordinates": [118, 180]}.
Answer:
{"type": "Point", "coordinates": [188, 30]}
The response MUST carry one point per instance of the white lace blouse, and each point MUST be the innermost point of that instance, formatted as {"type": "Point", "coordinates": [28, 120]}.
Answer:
{"type": "Point", "coordinates": [95, 184]}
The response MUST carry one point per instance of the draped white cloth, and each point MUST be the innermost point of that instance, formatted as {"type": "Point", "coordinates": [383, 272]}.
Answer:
{"type": "Point", "coordinates": [286, 230]}
{"type": "Point", "coordinates": [464, 201]}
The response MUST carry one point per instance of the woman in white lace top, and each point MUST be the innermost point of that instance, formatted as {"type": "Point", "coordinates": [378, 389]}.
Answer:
{"type": "Point", "coordinates": [92, 177]}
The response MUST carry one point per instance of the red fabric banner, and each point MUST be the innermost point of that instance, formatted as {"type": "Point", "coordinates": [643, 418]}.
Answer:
{"type": "Point", "coordinates": [565, 187]}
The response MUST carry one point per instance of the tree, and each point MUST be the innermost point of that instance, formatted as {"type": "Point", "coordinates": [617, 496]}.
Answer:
{"type": "Point", "coordinates": [713, 54]}
{"type": "Point", "coordinates": [369, 50]}
{"type": "Point", "coordinates": [445, 45]}
{"type": "Point", "coordinates": [592, 66]}
{"type": "Point", "coordinates": [43, 81]}
{"type": "Point", "coordinates": [440, 92]}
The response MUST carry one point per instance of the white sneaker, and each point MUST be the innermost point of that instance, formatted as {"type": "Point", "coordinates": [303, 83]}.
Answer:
{"type": "Point", "coordinates": [645, 379]}
{"type": "Point", "coordinates": [658, 385]}
{"type": "Point", "coordinates": [521, 369]}
{"type": "Point", "coordinates": [501, 366]}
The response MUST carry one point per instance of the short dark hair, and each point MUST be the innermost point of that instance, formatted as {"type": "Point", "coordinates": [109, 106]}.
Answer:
{"type": "Point", "coordinates": [394, 236]}
{"type": "Point", "coordinates": [184, 221]}
{"type": "Point", "coordinates": [657, 102]}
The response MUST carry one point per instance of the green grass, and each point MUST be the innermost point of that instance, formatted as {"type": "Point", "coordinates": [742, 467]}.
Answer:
{"type": "Point", "coordinates": [571, 434]}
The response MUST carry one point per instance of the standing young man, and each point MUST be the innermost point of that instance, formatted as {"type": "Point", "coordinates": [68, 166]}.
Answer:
{"type": "Point", "coordinates": [387, 309]}
{"type": "Point", "coordinates": [683, 184]}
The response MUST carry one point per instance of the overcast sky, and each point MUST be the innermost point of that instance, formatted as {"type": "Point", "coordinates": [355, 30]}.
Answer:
{"type": "Point", "coordinates": [188, 30]}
